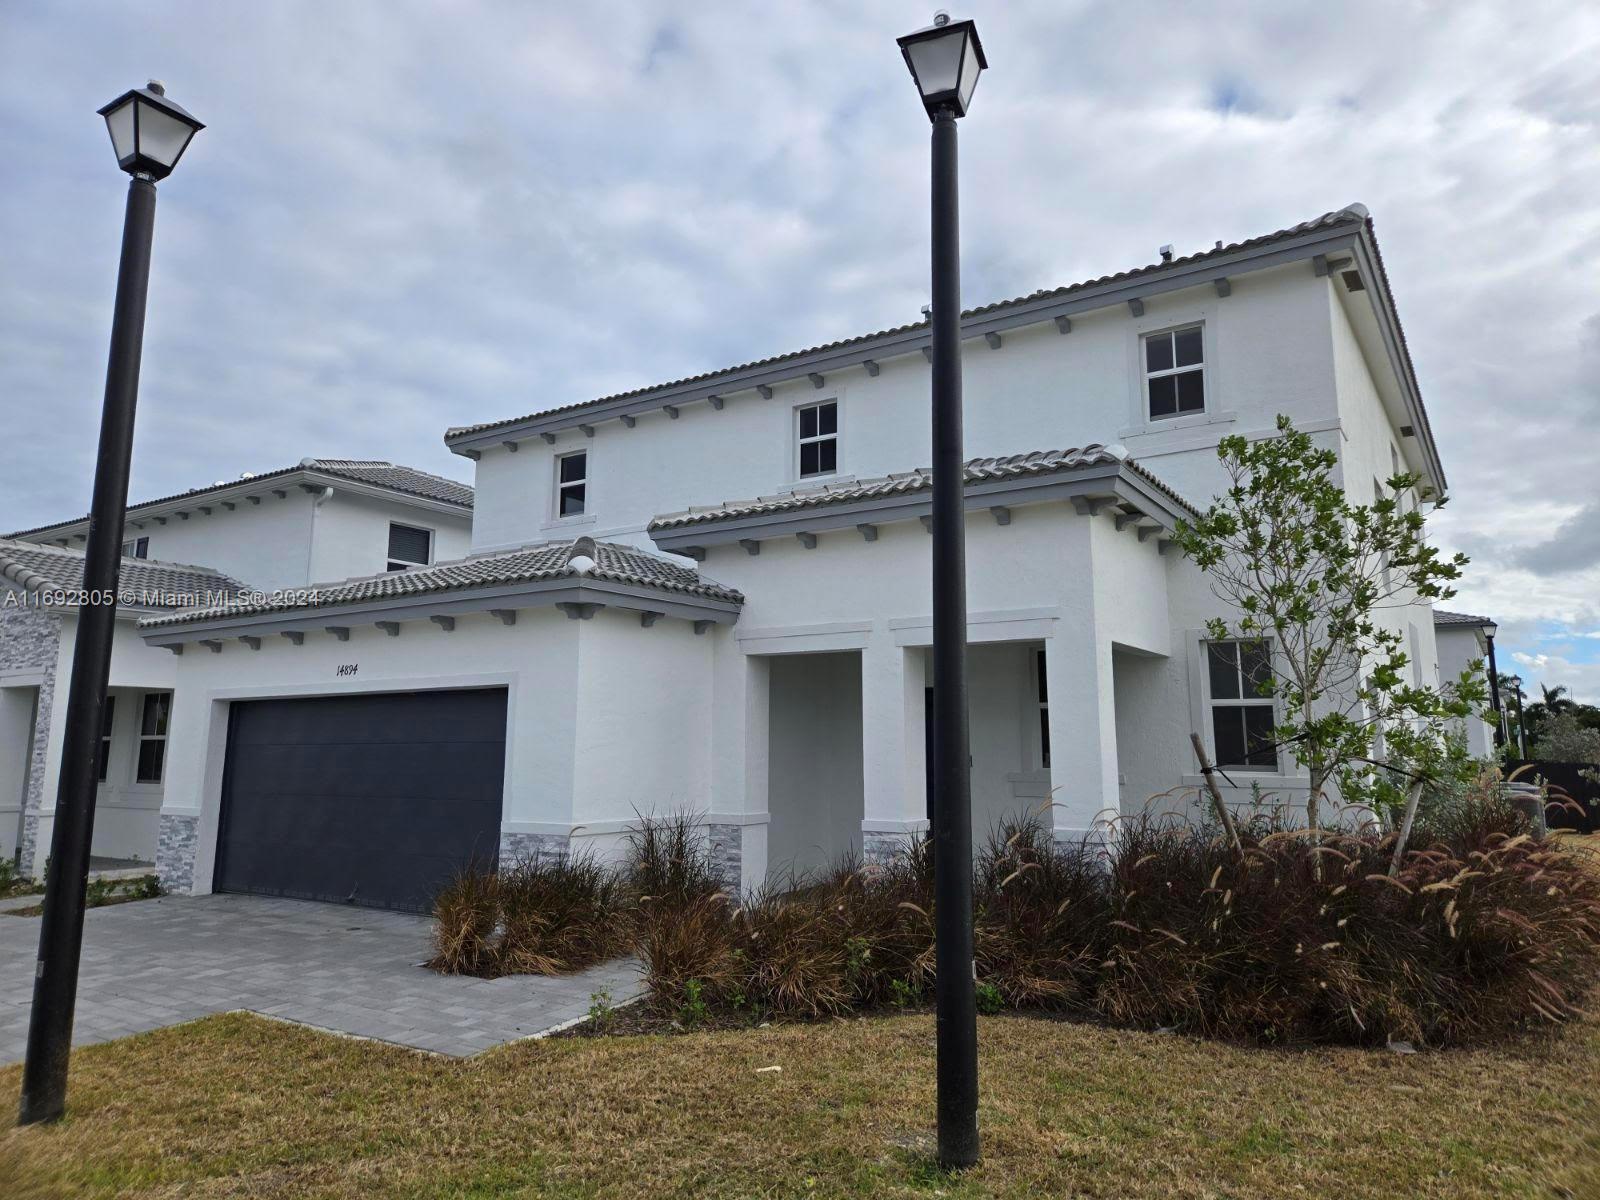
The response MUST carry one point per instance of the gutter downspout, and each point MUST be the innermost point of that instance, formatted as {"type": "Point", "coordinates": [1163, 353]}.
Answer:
{"type": "Point", "coordinates": [311, 537]}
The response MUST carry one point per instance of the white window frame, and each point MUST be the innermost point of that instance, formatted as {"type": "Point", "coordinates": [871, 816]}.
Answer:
{"type": "Point", "coordinates": [557, 487]}
{"type": "Point", "coordinates": [836, 437]}
{"type": "Point", "coordinates": [138, 547]}
{"type": "Point", "coordinates": [400, 564]}
{"type": "Point", "coordinates": [108, 722]}
{"type": "Point", "coordinates": [144, 737]}
{"type": "Point", "coordinates": [1201, 664]}
{"type": "Point", "coordinates": [1039, 707]}
{"type": "Point", "coordinates": [1146, 375]}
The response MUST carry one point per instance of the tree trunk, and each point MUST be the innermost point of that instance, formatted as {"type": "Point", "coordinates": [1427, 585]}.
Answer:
{"type": "Point", "coordinates": [1405, 828]}
{"type": "Point", "coordinates": [1314, 820]}
{"type": "Point", "coordinates": [1223, 815]}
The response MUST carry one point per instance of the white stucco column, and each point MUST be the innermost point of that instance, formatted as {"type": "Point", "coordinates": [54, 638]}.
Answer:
{"type": "Point", "coordinates": [1083, 730]}
{"type": "Point", "coordinates": [16, 748]}
{"type": "Point", "coordinates": [894, 787]}
{"type": "Point", "coordinates": [738, 816]}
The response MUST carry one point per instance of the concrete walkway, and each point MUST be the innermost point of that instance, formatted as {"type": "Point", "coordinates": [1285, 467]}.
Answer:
{"type": "Point", "coordinates": [351, 970]}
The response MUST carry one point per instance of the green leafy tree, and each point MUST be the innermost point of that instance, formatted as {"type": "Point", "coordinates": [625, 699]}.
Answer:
{"type": "Point", "coordinates": [1565, 739]}
{"type": "Point", "coordinates": [1312, 573]}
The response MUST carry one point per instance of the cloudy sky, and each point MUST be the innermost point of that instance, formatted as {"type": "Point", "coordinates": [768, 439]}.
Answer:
{"type": "Point", "coordinates": [405, 216]}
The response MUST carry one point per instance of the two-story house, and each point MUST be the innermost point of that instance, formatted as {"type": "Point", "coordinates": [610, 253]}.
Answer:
{"type": "Point", "coordinates": [277, 533]}
{"type": "Point", "coordinates": [713, 595]}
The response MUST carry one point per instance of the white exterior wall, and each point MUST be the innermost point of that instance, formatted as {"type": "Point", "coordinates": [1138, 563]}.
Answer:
{"type": "Point", "coordinates": [604, 718]}
{"type": "Point", "coordinates": [349, 535]}
{"type": "Point", "coordinates": [266, 545]}
{"type": "Point", "coordinates": [126, 812]}
{"type": "Point", "coordinates": [1267, 350]}
{"type": "Point", "coordinates": [295, 541]}
{"type": "Point", "coordinates": [1459, 647]}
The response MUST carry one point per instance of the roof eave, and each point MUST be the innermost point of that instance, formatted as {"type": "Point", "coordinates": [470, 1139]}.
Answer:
{"type": "Point", "coordinates": [1008, 315]}
{"type": "Point", "coordinates": [1104, 480]}
{"type": "Point", "coordinates": [538, 593]}
{"type": "Point", "coordinates": [1382, 298]}
{"type": "Point", "coordinates": [263, 484]}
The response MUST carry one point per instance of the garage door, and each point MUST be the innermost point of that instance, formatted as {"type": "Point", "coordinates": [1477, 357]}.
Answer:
{"type": "Point", "coordinates": [369, 799]}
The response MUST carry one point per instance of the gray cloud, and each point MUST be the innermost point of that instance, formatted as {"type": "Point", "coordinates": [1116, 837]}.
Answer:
{"type": "Point", "coordinates": [1575, 545]}
{"type": "Point", "coordinates": [407, 216]}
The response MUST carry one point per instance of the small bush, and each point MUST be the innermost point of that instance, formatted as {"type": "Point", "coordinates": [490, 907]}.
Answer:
{"type": "Point", "coordinates": [669, 861]}
{"type": "Point", "coordinates": [466, 914]}
{"type": "Point", "coordinates": [544, 917]}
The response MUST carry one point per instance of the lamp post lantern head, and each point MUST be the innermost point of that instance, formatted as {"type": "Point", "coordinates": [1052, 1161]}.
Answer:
{"type": "Point", "coordinates": [148, 132]}
{"type": "Point", "coordinates": [945, 60]}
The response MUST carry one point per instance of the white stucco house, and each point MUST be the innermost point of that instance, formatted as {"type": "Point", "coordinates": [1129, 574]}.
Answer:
{"type": "Point", "coordinates": [1463, 639]}
{"type": "Point", "coordinates": [712, 595]}
{"type": "Point", "coordinates": [259, 535]}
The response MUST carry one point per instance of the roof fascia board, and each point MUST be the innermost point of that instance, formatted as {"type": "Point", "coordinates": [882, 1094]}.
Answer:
{"type": "Point", "coordinates": [910, 341]}
{"type": "Point", "coordinates": [529, 594]}
{"type": "Point", "coordinates": [1389, 330]}
{"type": "Point", "coordinates": [256, 485]}
{"type": "Point", "coordinates": [1036, 489]}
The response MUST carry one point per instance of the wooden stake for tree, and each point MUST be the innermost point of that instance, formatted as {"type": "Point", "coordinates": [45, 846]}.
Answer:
{"type": "Point", "coordinates": [1405, 827]}
{"type": "Point", "coordinates": [1223, 815]}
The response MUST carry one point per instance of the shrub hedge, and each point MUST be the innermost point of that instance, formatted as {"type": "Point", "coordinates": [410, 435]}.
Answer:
{"type": "Point", "coordinates": [1481, 932]}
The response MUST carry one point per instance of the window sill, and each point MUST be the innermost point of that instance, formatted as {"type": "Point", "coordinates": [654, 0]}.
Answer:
{"type": "Point", "coordinates": [818, 481]}
{"type": "Point", "coordinates": [570, 522]}
{"type": "Point", "coordinates": [1192, 421]}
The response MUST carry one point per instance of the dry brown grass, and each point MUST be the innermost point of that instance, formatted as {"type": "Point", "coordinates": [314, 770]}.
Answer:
{"type": "Point", "coordinates": [236, 1106]}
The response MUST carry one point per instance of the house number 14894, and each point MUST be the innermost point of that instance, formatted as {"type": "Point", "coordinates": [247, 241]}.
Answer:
{"type": "Point", "coordinates": [345, 669]}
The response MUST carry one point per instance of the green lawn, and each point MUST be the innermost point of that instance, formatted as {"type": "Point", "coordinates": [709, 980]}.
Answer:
{"type": "Point", "coordinates": [240, 1106]}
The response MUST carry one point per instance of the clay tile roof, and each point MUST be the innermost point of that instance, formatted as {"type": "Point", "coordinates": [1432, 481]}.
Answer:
{"type": "Point", "coordinates": [976, 470]}
{"type": "Point", "coordinates": [550, 560]}
{"type": "Point", "coordinates": [406, 480]}
{"type": "Point", "coordinates": [144, 583]}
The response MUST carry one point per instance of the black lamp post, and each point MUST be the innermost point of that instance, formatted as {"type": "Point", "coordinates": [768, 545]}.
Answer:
{"type": "Point", "coordinates": [149, 134]}
{"type": "Point", "coordinates": [1489, 631]}
{"type": "Point", "coordinates": [945, 60]}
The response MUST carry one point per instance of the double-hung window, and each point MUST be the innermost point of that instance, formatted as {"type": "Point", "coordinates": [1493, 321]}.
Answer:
{"type": "Point", "coordinates": [108, 717]}
{"type": "Point", "coordinates": [572, 484]}
{"type": "Point", "coordinates": [153, 736]}
{"type": "Point", "coordinates": [136, 548]}
{"type": "Point", "coordinates": [819, 439]}
{"type": "Point", "coordinates": [409, 547]}
{"type": "Point", "coordinates": [1175, 372]}
{"type": "Point", "coordinates": [1238, 674]}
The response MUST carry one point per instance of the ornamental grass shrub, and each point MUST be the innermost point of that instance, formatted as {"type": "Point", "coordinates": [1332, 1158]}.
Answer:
{"type": "Point", "coordinates": [540, 917]}
{"type": "Point", "coordinates": [1482, 932]}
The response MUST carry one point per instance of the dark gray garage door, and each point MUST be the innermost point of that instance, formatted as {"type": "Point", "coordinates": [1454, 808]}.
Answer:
{"type": "Point", "coordinates": [371, 799]}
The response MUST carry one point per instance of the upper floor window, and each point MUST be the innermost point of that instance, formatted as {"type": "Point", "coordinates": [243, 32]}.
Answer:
{"type": "Point", "coordinates": [153, 736]}
{"type": "Point", "coordinates": [136, 548]}
{"type": "Point", "coordinates": [1242, 717]}
{"type": "Point", "coordinates": [819, 439]}
{"type": "Point", "coordinates": [572, 484]}
{"type": "Point", "coordinates": [1175, 372]}
{"type": "Point", "coordinates": [409, 547]}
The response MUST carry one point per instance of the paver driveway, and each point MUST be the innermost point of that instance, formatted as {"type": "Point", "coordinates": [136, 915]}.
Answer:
{"type": "Point", "coordinates": [353, 970]}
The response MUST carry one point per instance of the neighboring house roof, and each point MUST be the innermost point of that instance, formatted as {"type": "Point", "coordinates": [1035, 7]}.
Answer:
{"type": "Point", "coordinates": [551, 561]}
{"type": "Point", "coordinates": [144, 583]}
{"type": "Point", "coordinates": [1443, 618]}
{"type": "Point", "coordinates": [1301, 240]}
{"type": "Point", "coordinates": [405, 481]}
{"type": "Point", "coordinates": [976, 471]}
